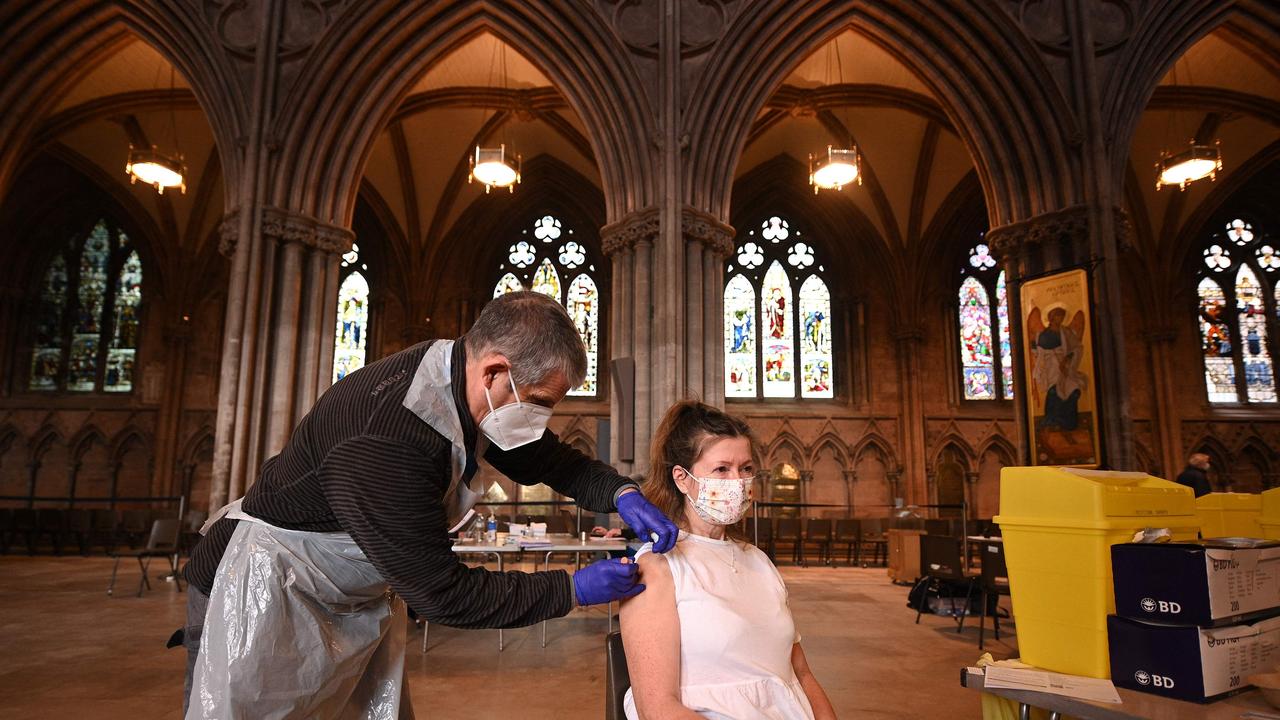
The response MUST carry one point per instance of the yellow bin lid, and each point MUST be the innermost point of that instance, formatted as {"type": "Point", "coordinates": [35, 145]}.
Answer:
{"type": "Point", "coordinates": [1271, 506]}
{"type": "Point", "coordinates": [1240, 502]}
{"type": "Point", "coordinates": [1072, 497]}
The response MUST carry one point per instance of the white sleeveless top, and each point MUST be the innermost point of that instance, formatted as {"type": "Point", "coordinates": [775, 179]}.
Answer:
{"type": "Point", "coordinates": [736, 633]}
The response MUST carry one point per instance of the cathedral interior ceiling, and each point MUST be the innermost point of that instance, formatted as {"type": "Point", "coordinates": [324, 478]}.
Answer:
{"type": "Point", "coordinates": [914, 158]}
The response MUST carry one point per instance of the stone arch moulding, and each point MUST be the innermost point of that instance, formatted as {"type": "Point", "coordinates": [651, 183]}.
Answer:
{"type": "Point", "coordinates": [58, 45]}
{"type": "Point", "coordinates": [1213, 447]}
{"type": "Point", "coordinates": [962, 446]}
{"type": "Point", "coordinates": [1001, 446]}
{"type": "Point", "coordinates": [1170, 28]}
{"type": "Point", "coordinates": [839, 450]}
{"type": "Point", "coordinates": [783, 441]}
{"type": "Point", "coordinates": [84, 439]}
{"type": "Point", "coordinates": [1013, 121]}
{"type": "Point", "coordinates": [347, 93]}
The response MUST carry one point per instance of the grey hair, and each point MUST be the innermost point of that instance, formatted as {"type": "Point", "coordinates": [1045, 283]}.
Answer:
{"type": "Point", "coordinates": [536, 335]}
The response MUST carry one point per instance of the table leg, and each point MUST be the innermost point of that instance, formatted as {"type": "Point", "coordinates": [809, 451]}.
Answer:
{"type": "Point", "coordinates": [1024, 711]}
{"type": "Point", "coordinates": [546, 566]}
{"type": "Point", "coordinates": [426, 627]}
{"type": "Point", "coordinates": [498, 555]}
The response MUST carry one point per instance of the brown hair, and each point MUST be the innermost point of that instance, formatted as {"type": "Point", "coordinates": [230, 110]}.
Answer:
{"type": "Point", "coordinates": [679, 440]}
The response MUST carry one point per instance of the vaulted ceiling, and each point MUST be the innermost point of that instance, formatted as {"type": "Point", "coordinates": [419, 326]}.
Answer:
{"type": "Point", "coordinates": [847, 90]}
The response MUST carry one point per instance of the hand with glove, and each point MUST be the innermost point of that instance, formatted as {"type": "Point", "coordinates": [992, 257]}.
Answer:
{"type": "Point", "coordinates": [606, 581]}
{"type": "Point", "coordinates": [647, 520]}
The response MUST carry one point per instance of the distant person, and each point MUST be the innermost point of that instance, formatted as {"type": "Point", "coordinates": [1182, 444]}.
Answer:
{"type": "Point", "coordinates": [1196, 474]}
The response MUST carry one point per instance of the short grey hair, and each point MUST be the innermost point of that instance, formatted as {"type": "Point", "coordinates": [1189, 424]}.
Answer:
{"type": "Point", "coordinates": [536, 335]}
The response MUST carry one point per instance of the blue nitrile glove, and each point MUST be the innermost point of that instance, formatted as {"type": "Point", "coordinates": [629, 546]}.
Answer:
{"type": "Point", "coordinates": [605, 581]}
{"type": "Point", "coordinates": [647, 520]}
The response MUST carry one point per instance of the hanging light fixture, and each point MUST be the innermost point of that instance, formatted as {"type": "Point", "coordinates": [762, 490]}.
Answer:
{"type": "Point", "coordinates": [157, 169]}
{"type": "Point", "coordinates": [489, 165]}
{"type": "Point", "coordinates": [1199, 161]}
{"type": "Point", "coordinates": [839, 166]}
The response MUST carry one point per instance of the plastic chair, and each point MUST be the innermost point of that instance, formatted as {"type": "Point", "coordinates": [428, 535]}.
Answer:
{"type": "Point", "coordinates": [25, 524]}
{"type": "Point", "coordinates": [994, 582]}
{"type": "Point", "coordinates": [817, 533]}
{"type": "Point", "coordinates": [163, 542]}
{"type": "Point", "coordinates": [51, 523]}
{"type": "Point", "coordinates": [848, 531]}
{"type": "Point", "coordinates": [788, 533]}
{"type": "Point", "coordinates": [134, 526]}
{"type": "Point", "coordinates": [761, 537]}
{"type": "Point", "coordinates": [106, 524]}
{"type": "Point", "coordinates": [942, 564]}
{"type": "Point", "coordinates": [80, 528]}
{"type": "Point", "coordinates": [873, 536]}
{"type": "Point", "coordinates": [616, 678]}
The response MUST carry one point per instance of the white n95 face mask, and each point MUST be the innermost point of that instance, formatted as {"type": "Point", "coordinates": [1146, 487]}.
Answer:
{"type": "Point", "coordinates": [514, 424]}
{"type": "Point", "coordinates": [721, 501]}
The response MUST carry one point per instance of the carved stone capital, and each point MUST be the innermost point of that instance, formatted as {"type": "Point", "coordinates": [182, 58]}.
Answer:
{"type": "Point", "coordinates": [1059, 226]}
{"type": "Point", "coordinates": [284, 226]}
{"type": "Point", "coordinates": [698, 226]}
{"type": "Point", "coordinates": [228, 233]}
{"type": "Point", "coordinates": [639, 226]}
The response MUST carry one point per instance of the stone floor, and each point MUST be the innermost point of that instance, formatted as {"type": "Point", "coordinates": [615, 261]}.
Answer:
{"type": "Point", "coordinates": [69, 651]}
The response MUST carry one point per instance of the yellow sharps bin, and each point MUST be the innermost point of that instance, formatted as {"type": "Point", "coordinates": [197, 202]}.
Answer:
{"type": "Point", "coordinates": [1229, 515]}
{"type": "Point", "coordinates": [1059, 525]}
{"type": "Point", "coordinates": [1270, 520]}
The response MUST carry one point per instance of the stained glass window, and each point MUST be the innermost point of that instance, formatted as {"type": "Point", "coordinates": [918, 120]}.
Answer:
{"type": "Point", "coordinates": [86, 328]}
{"type": "Point", "coordinates": [543, 261]}
{"type": "Point", "coordinates": [581, 304]}
{"type": "Point", "coordinates": [777, 317]}
{"type": "Point", "coordinates": [815, 339]}
{"type": "Point", "coordinates": [1252, 313]}
{"type": "Point", "coordinates": [1236, 324]}
{"type": "Point", "coordinates": [124, 336]}
{"type": "Point", "coordinates": [547, 281]}
{"type": "Point", "coordinates": [351, 335]}
{"type": "Point", "coordinates": [740, 338]}
{"type": "Point", "coordinates": [1006, 346]}
{"type": "Point", "coordinates": [975, 342]}
{"type": "Point", "coordinates": [986, 355]}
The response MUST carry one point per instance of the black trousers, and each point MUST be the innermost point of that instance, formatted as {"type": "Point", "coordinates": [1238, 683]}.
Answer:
{"type": "Point", "coordinates": [197, 604]}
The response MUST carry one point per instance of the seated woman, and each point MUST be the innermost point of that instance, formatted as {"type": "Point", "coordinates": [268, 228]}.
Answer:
{"type": "Point", "coordinates": [712, 636]}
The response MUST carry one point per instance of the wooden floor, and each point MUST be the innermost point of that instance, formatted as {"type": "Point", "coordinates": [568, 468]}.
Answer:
{"type": "Point", "coordinates": [69, 651]}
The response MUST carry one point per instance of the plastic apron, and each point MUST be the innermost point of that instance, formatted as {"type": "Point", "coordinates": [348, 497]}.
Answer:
{"type": "Point", "coordinates": [300, 624]}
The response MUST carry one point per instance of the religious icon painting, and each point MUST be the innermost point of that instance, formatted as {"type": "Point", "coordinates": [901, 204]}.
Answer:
{"type": "Point", "coordinates": [1062, 402]}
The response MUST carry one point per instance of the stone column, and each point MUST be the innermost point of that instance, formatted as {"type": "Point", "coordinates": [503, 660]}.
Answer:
{"type": "Point", "coordinates": [708, 244]}
{"type": "Point", "coordinates": [911, 414]}
{"type": "Point", "coordinates": [806, 483]}
{"type": "Point", "coordinates": [284, 356]}
{"type": "Point", "coordinates": [1160, 342]}
{"type": "Point", "coordinates": [850, 480]}
{"type": "Point", "coordinates": [1069, 233]}
{"type": "Point", "coordinates": [628, 244]}
{"type": "Point", "coordinates": [177, 340]}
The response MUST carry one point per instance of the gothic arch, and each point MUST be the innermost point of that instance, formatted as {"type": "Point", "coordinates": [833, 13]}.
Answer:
{"type": "Point", "coordinates": [41, 441]}
{"type": "Point", "coordinates": [875, 444]}
{"type": "Point", "coordinates": [837, 446]}
{"type": "Point", "coordinates": [1219, 456]}
{"type": "Point", "coordinates": [960, 445]}
{"type": "Point", "coordinates": [349, 93]}
{"type": "Point", "coordinates": [128, 439]}
{"type": "Point", "coordinates": [194, 444]}
{"type": "Point", "coordinates": [56, 47]}
{"type": "Point", "coordinates": [1013, 122]}
{"type": "Point", "coordinates": [84, 439]}
{"type": "Point", "coordinates": [785, 440]}
{"type": "Point", "coordinates": [1001, 446]}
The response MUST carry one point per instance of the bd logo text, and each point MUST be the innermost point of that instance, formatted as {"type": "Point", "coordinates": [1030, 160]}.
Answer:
{"type": "Point", "coordinates": [1167, 607]}
{"type": "Point", "coordinates": [1161, 681]}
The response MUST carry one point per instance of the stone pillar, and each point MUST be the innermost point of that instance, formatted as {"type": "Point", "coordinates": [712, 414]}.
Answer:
{"type": "Point", "coordinates": [911, 414]}
{"type": "Point", "coordinates": [177, 339]}
{"type": "Point", "coordinates": [1068, 233]}
{"type": "Point", "coordinates": [806, 484]}
{"type": "Point", "coordinates": [628, 244]}
{"type": "Point", "coordinates": [708, 244]}
{"type": "Point", "coordinates": [282, 358]}
{"type": "Point", "coordinates": [1160, 343]}
{"type": "Point", "coordinates": [850, 480]}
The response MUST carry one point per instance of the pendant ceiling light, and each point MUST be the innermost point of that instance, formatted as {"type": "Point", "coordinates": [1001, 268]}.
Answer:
{"type": "Point", "coordinates": [838, 166]}
{"type": "Point", "coordinates": [489, 165]}
{"type": "Point", "coordinates": [1199, 161]}
{"type": "Point", "coordinates": [157, 169]}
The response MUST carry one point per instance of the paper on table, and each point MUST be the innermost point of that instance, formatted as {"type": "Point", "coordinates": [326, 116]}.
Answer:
{"type": "Point", "coordinates": [1053, 683]}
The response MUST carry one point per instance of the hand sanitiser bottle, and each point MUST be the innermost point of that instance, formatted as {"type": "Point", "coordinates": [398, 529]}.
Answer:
{"type": "Point", "coordinates": [491, 531]}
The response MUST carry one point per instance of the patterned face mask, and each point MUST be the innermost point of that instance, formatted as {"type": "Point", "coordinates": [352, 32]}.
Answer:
{"type": "Point", "coordinates": [721, 501]}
